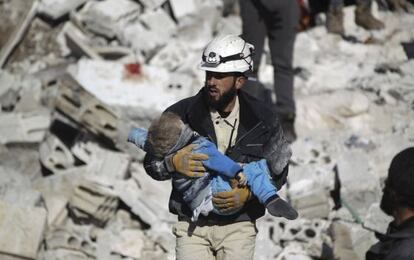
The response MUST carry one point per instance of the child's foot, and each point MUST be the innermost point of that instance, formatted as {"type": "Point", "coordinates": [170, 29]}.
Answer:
{"type": "Point", "coordinates": [280, 208]}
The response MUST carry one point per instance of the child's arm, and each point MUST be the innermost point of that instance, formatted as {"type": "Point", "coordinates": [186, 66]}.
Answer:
{"type": "Point", "coordinates": [138, 136]}
{"type": "Point", "coordinates": [216, 161]}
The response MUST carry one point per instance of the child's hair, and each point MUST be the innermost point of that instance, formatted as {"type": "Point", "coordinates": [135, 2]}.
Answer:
{"type": "Point", "coordinates": [164, 133]}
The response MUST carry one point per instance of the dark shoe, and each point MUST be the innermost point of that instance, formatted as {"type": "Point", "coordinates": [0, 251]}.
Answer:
{"type": "Point", "coordinates": [278, 207]}
{"type": "Point", "coordinates": [287, 121]}
{"type": "Point", "coordinates": [364, 17]}
{"type": "Point", "coordinates": [335, 20]}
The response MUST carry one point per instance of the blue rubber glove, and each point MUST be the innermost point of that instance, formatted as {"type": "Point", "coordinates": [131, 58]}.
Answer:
{"type": "Point", "coordinates": [216, 161]}
{"type": "Point", "coordinates": [138, 136]}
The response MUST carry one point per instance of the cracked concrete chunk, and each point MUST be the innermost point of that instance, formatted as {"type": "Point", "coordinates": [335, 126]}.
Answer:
{"type": "Point", "coordinates": [75, 238]}
{"type": "Point", "coordinates": [107, 17]}
{"type": "Point", "coordinates": [55, 9]}
{"type": "Point", "coordinates": [102, 162]}
{"type": "Point", "coordinates": [28, 127]}
{"type": "Point", "coordinates": [130, 243]}
{"type": "Point", "coordinates": [93, 202]}
{"type": "Point", "coordinates": [152, 4]}
{"type": "Point", "coordinates": [170, 56]}
{"type": "Point", "coordinates": [54, 155]}
{"type": "Point", "coordinates": [21, 230]}
{"type": "Point", "coordinates": [159, 22]}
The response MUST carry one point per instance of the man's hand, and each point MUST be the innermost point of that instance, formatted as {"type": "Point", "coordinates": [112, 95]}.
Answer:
{"type": "Point", "coordinates": [231, 200]}
{"type": "Point", "coordinates": [189, 164]}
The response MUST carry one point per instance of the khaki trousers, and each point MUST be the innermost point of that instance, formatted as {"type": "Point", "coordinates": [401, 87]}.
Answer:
{"type": "Point", "coordinates": [215, 242]}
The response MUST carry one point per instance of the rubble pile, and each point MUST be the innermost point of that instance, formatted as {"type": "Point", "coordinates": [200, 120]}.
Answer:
{"type": "Point", "coordinates": [77, 75]}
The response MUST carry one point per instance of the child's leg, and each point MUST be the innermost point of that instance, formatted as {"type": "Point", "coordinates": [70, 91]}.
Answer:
{"type": "Point", "coordinates": [258, 179]}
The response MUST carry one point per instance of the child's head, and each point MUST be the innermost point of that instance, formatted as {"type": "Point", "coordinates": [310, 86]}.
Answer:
{"type": "Point", "coordinates": [164, 133]}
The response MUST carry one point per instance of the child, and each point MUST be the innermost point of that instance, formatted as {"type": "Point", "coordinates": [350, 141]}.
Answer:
{"type": "Point", "coordinates": [169, 134]}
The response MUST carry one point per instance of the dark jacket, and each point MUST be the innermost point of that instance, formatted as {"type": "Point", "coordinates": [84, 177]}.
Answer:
{"type": "Point", "coordinates": [259, 136]}
{"type": "Point", "coordinates": [397, 244]}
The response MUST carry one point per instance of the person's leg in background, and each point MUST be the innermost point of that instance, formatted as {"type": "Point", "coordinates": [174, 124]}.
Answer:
{"type": "Point", "coordinates": [364, 17]}
{"type": "Point", "coordinates": [335, 17]}
{"type": "Point", "coordinates": [282, 20]}
{"type": "Point", "coordinates": [254, 32]}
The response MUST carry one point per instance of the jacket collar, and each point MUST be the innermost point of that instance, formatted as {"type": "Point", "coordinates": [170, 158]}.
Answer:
{"type": "Point", "coordinates": [198, 115]}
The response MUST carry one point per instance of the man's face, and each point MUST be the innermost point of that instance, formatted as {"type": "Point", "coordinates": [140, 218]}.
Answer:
{"type": "Point", "coordinates": [221, 88]}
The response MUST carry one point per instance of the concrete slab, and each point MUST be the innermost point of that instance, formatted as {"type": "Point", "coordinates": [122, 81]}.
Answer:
{"type": "Point", "coordinates": [27, 226]}
{"type": "Point", "coordinates": [28, 127]}
{"type": "Point", "coordinates": [56, 9]}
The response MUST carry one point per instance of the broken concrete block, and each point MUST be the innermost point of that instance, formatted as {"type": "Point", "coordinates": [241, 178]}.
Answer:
{"type": "Point", "coordinates": [376, 219]}
{"type": "Point", "coordinates": [152, 4]}
{"type": "Point", "coordinates": [85, 109]}
{"type": "Point", "coordinates": [18, 32]}
{"type": "Point", "coordinates": [56, 9]}
{"type": "Point", "coordinates": [21, 230]}
{"type": "Point", "coordinates": [182, 8]}
{"type": "Point", "coordinates": [118, 53]}
{"type": "Point", "coordinates": [359, 186]}
{"type": "Point", "coordinates": [73, 40]}
{"type": "Point", "coordinates": [308, 235]}
{"type": "Point", "coordinates": [65, 254]}
{"type": "Point", "coordinates": [350, 241]}
{"type": "Point", "coordinates": [130, 243]}
{"type": "Point", "coordinates": [107, 17]}
{"type": "Point", "coordinates": [159, 21]}
{"type": "Point", "coordinates": [102, 162]}
{"type": "Point", "coordinates": [93, 202]}
{"type": "Point", "coordinates": [171, 56]}
{"type": "Point", "coordinates": [132, 35]}
{"type": "Point", "coordinates": [28, 127]}
{"type": "Point", "coordinates": [75, 238]}
{"type": "Point", "coordinates": [313, 204]}
{"type": "Point", "coordinates": [57, 190]}
{"type": "Point", "coordinates": [54, 155]}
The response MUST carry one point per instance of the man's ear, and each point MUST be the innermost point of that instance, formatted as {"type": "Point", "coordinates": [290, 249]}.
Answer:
{"type": "Point", "coordinates": [240, 81]}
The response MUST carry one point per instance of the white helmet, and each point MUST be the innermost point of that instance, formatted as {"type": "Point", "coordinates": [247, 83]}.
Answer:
{"type": "Point", "coordinates": [228, 53]}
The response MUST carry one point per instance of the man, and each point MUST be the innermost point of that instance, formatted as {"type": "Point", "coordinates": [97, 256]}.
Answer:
{"type": "Point", "coordinates": [240, 126]}
{"type": "Point", "coordinates": [363, 17]}
{"type": "Point", "coordinates": [278, 20]}
{"type": "Point", "coordinates": [398, 202]}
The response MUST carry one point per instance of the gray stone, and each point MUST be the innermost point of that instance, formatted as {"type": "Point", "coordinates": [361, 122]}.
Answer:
{"type": "Point", "coordinates": [74, 238]}
{"type": "Point", "coordinates": [73, 40]}
{"type": "Point", "coordinates": [351, 241]}
{"type": "Point", "coordinates": [19, 30]}
{"type": "Point", "coordinates": [171, 56]}
{"type": "Point", "coordinates": [359, 186]}
{"type": "Point", "coordinates": [26, 226]}
{"type": "Point", "coordinates": [102, 162]}
{"type": "Point", "coordinates": [107, 17]}
{"type": "Point", "coordinates": [159, 22]}
{"type": "Point", "coordinates": [132, 35]}
{"type": "Point", "coordinates": [24, 127]}
{"type": "Point", "coordinates": [376, 219]}
{"type": "Point", "coordinates": [152, 4]}
{"type": "Point", "coordinates": [56, 9]}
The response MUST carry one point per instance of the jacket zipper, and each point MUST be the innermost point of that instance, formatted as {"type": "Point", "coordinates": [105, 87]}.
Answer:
{"type": "Point", "coordinates": [251, 130]}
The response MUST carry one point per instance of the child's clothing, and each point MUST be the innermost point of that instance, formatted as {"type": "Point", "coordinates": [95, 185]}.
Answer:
{"type": "Point", "coordinates": [197, 192]}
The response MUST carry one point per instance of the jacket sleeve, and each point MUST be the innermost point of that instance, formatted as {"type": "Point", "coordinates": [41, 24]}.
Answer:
{"type": "Point", "coordinates": [158, 169]}
{"type": "Point", "coordinates": [277, 153]}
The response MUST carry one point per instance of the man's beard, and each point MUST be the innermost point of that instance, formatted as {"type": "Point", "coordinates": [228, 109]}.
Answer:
{"type": "Point", "coordinates": [224, 99]}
